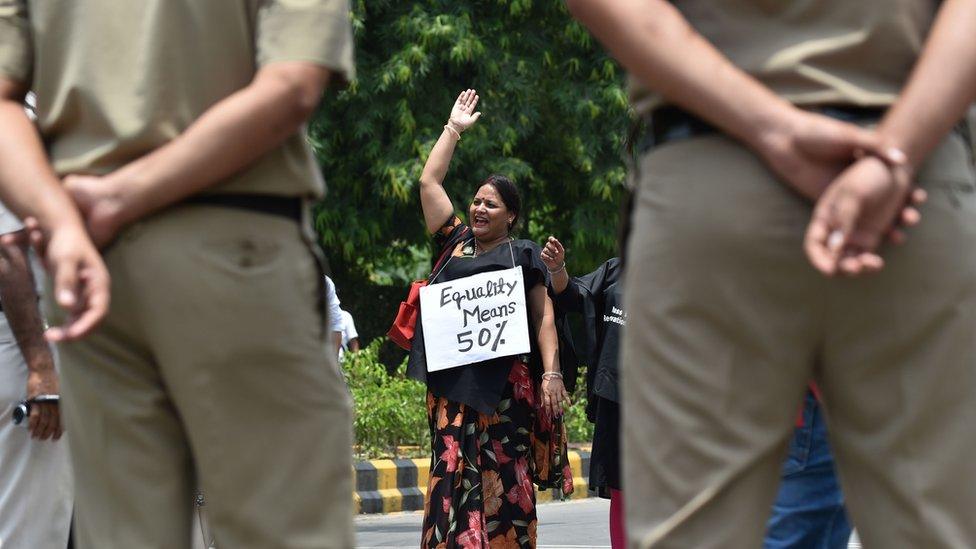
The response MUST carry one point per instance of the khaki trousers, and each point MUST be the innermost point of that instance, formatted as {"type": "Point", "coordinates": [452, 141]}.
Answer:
{"type": "Point", "coordinates": [211, 369]}
{"type": "Point", "coordinates": [728, 322]}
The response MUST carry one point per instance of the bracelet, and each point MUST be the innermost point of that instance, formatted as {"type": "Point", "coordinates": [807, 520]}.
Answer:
{"type": "Point", "coordinates": [894, 158]}
{"type": "Point", "coordinates": [451, 128]}
{"type": "Point", "coordinates": [561, 268]}
{"type": "Point", "coordinates": [550, 375]}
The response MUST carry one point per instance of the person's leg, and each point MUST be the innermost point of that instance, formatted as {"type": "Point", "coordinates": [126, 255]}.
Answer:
{"type": "Point", "coordinates": [35, 477]}
{"type": "Point", "coordinates": [480, 491]}
{"type": "Point", "coordinates": [618, 537]}
{"type": "Point", "coordinates": [234, 314]}
{"type": "Point", "coordinates": [809, 509]}
{"type": "Point", "coordinates": [899, 375]}
{"type": "Point", "coordinates": [605, 460]}
{"type": "Point", "coordinates": [723, 315]}
{"type": "Point", "coordinates": [133, 472]}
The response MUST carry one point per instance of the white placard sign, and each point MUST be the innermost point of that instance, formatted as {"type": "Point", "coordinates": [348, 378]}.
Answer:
{"type": "Point", "coordinates": [475, 318]}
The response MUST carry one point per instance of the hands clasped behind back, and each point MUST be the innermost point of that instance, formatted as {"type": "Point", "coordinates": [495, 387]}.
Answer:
{"type": "Point", "coordinates": [81, 280]}
{"type": "Point", "coordinates": [856, 212]}
{"type": "Point", "coordinates": [100, 202]}
{"type": "Point", "coordinates": [70, 254]}
{"type": "Point", "coordinates": [861, 188]}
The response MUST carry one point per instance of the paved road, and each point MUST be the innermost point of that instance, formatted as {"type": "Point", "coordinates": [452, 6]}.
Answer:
{"type": "Point", "coordinates": [564, 525]}
{"type": "Point", "coordinates": [567, 525]}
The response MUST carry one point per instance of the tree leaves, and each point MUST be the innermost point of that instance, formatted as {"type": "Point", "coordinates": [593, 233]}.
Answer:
{"type": "Point", "coordinates": [555, 113]}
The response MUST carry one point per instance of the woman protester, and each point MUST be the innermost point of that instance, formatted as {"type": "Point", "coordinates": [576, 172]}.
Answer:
{"type": "Point", "coordinates": [495, 424]}
{"type": "Point", "coordinates": [599, 297]}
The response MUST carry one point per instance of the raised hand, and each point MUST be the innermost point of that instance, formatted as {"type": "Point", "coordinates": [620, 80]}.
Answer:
{"type": "Point", "coordinates": [463, 115]}
{"type": "Point", "coordinates": [553, 254]}
{"type": "Point", "coordinates": [856, 212]}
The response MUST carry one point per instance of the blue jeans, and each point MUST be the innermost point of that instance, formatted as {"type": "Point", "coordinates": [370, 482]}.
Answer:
{"type": "Point", "coordinates": [809, 509]}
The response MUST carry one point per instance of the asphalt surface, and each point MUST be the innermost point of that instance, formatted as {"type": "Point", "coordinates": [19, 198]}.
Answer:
{"type": "Point", "coordinates": [580, 524]}
{"type": "Point", "coordinates": [562, 525]}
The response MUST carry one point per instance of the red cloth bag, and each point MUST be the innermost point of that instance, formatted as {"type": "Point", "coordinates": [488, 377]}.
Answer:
{"type": "Point", "coordinates": [405, 323]}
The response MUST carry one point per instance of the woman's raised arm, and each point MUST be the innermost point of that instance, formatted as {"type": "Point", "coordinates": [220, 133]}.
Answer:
{"type": "Point", "coordinates": [433, 198]}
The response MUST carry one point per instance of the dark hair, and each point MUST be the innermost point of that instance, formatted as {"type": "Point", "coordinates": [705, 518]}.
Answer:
{"type": "Point", "coordinates": [509, 194]}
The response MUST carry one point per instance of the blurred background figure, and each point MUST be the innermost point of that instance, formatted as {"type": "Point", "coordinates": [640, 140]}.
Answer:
{"type": "Point", "coordinates": [809, 508]}
{"type": "Point", "coordinates": [335, 315]}
{"type": "Point", "coordinates": [350, 337]}
{"type": "Point", "coordinates": [36, 491]}
{"type": "Point", "coordinates": [598, 297]}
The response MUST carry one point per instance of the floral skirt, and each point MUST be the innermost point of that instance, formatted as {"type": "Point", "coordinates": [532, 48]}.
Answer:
{"type": "Point", "coordinates": [483, 467]}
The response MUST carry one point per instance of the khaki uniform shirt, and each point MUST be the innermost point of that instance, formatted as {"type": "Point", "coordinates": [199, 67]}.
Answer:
{"type": "Point", "coordinates": [813, 52]}
{"type": "Point", "coordinates": [117, 79]}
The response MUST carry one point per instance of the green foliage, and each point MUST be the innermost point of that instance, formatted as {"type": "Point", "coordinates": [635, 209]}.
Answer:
{"type": "Point", "coordinates": [391, 410]}
{"type": "Point", "coordinates": [578, 428]}
{"type": "Point", "coordinates": [554, 116]}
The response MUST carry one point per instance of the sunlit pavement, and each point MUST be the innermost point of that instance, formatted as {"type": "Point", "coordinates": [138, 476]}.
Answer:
{"type": "Point", "coordinates": [580, 524]}
{"type": "Point", "coordinates": [562, 525]}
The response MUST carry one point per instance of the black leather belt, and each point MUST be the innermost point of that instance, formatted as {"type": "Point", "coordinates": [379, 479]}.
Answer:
{"type": "Point", "coordinates": [668, 124]}
{"type": "Point", "coordinates": [284, 206]}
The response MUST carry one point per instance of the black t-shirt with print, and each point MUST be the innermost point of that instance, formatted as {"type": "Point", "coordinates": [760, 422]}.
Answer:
{"type": "Point", "coordinates": [598, 295]}
{"type": "Point", "coordinates": [478, 385]}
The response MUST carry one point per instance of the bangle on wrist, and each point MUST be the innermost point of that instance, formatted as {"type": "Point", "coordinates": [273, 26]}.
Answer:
{"type": "Point", "coordinates": [554, 271]}
{"type": "Point", "coordinates": [451, 128]}
{"type": "Point", "coordinates": [893, 157]}
{"type": "Point", "coordinates": [550, 375]}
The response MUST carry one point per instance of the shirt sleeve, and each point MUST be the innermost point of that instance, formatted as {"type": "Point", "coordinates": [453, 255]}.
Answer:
{"type": "Point", "coordinates": [317, 31]}
{"type": "Point", "coordinates": [335, 314]}
{"type": "Point", "coordinates": [450, 232]}
{"type": "Point", "coordinates": [570, 300]}
{"type": "Point", "coordinates": [16, 45]}
{"type": "Point", "coordinates": [447, 237]}
{"type": "Point", "coordinates": [8, 221]}
{"type": "Point", "coordinates": [534, 270]}
{"type": "Point", "coordinates": [593, 283]}
{"type": "Point", "coordinates": [349, 326]}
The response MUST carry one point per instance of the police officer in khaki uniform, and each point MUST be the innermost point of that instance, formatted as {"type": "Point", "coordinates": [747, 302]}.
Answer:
{"type": "Point", "coordinates": [172, 132]}
{"type": "Point", "coordinates": [756, 154]}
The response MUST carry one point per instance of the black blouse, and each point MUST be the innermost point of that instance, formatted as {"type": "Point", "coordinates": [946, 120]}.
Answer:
{"type": "Point", "coordinates": [598, 295]}
{"type": "Point", "coordinates": [478, 385]}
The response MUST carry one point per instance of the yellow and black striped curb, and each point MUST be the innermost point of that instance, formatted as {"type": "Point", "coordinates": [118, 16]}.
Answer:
{"type": "Point", "coordinates": [390, 485]}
